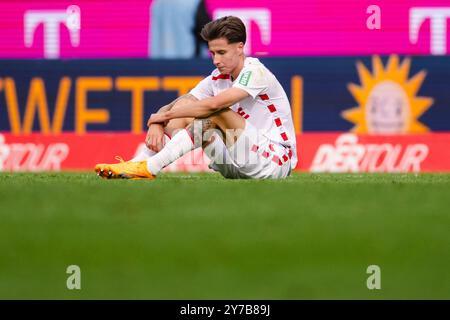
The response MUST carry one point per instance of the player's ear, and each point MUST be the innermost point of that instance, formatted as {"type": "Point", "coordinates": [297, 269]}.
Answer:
{"type": "Point", "coordinates": [241, 47]}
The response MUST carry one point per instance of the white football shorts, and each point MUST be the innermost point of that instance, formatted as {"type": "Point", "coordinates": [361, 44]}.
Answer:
{"type": "Point", "coordinates": [252, 156]}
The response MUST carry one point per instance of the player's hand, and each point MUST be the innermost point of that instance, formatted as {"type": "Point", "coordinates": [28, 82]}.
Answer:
{"type": "Point", "coordinates": [160, 118]}
{"type": "Point", "coordinates": [155, 137]}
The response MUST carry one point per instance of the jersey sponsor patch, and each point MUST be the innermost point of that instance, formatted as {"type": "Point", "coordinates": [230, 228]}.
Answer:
{"type": "Point", "coordinates": [245, 78]}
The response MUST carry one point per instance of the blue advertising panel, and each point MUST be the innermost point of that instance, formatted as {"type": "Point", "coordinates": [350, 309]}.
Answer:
{"type": "Point", "coordinates": [364, 94]}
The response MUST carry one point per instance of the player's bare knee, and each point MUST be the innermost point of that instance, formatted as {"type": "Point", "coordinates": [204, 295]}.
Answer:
{"type": "Point", "coordinates": [201, 130]}
{"type": "Point", "coordinates": [227, 119]}
{"type": "Point", "coordinates": [220, 115]}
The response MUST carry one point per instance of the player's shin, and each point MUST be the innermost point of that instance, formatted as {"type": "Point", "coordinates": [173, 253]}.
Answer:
{"type": "Point", "coordinates": [181, 143]}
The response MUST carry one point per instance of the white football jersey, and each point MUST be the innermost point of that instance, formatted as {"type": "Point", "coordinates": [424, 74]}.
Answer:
{"type": "Point", "coordinates": [267, 108]}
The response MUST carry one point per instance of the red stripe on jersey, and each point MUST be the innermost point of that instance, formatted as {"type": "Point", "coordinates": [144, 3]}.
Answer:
{"type": "Point", "coordinates": [246, 116]}
{"type": "Point", "coordinates": [264, 97]}
{"type": "Point", "coordinates": [271, 147]}
{"type": "Point", "coordinates": [271, 108]}
{"type": "Point", "coordinates": [278, 122]}
{"type": "Point", "coordinates": [221, 76]}
{"type": "Point", "coordinates": [284, 136]}
{"type": "Point", "coordinates": [277, 160]}
{"type": "Point", "coordinates": [265, 154]}
{"type": "Point", "coordinates": [285, 158]}
{"type": "Point", "coordinates": [255, 148]}
{"type": "Point", "coordinates": [290, 153]}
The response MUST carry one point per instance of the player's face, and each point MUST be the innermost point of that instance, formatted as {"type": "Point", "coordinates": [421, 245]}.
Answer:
{"type": "Point", "coordinates": [226, 56]}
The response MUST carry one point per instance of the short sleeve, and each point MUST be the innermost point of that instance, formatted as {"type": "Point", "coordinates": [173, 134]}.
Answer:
{"type": "Point", "coordinates": [203, 89]}
{"type": "Point", "coordinates": [253, 80]}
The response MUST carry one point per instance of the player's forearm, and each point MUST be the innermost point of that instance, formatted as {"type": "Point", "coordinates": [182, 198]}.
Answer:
{"type": "Point", "coordinates": [184, 98]}
{"type": "Point", "coordinates": [198, 109]}
{"type": "Point", "coordinates": [202, 108]}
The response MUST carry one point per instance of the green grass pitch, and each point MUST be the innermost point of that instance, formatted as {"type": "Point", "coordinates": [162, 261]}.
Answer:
{"type": "Point", "coordinates": [199, 236]}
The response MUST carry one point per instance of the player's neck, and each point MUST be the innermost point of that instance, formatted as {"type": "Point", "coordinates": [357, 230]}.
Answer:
{"type": "Point", "coordinates": [235, 73]}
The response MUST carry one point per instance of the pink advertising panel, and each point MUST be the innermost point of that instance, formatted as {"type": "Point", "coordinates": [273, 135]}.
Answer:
{"type": "Point", "coordinates": [107, 29]}
{"type": "Point", "coordinates": [122, 29]}
{"type": "Point", "coordinates": [317, 152]}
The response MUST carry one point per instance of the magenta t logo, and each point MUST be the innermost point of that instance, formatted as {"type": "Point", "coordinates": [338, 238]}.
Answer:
{"type": "Point", "coordinates": [260, 16]}
{"type": "Point", "coordinates": [438, 27]}
{"type": "Point", "coordinates": [51, 20]}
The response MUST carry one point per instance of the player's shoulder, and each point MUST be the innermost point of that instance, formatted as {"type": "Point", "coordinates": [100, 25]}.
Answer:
{"type": "Point", "coordinates": [216, 75]}
{"type": "Point", "coordinates": [256, 67]}
{"type": "Point", "coordinates": [255, 70]}
{"type": "Point", "coordinates": [253, 64]}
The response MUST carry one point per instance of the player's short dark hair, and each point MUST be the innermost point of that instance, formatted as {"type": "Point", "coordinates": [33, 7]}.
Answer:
{"type": "Point", "coordinates": [230, 28]}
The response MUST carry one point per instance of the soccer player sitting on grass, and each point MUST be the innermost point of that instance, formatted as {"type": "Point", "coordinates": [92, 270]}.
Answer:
{"type": "Point", "coordinates": [240, 116]}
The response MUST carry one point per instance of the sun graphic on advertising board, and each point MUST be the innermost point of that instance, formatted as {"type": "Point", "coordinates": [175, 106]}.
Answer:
{"type": "Point", "coordinates": [387, 99]}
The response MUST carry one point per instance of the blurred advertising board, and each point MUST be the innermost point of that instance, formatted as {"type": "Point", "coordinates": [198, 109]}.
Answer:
{"type": "Point", "coordinates": [351, 114]}
{"type": "Point", "coordinates": [387, 95]}
{"type": "Point", "coordinates": [317, 152]}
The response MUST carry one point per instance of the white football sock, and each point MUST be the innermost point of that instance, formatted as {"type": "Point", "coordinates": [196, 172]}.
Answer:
{"type": "Point", "coordinates": [180, 144]}
{"type": "Point", "coordinates": [144, 153]}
